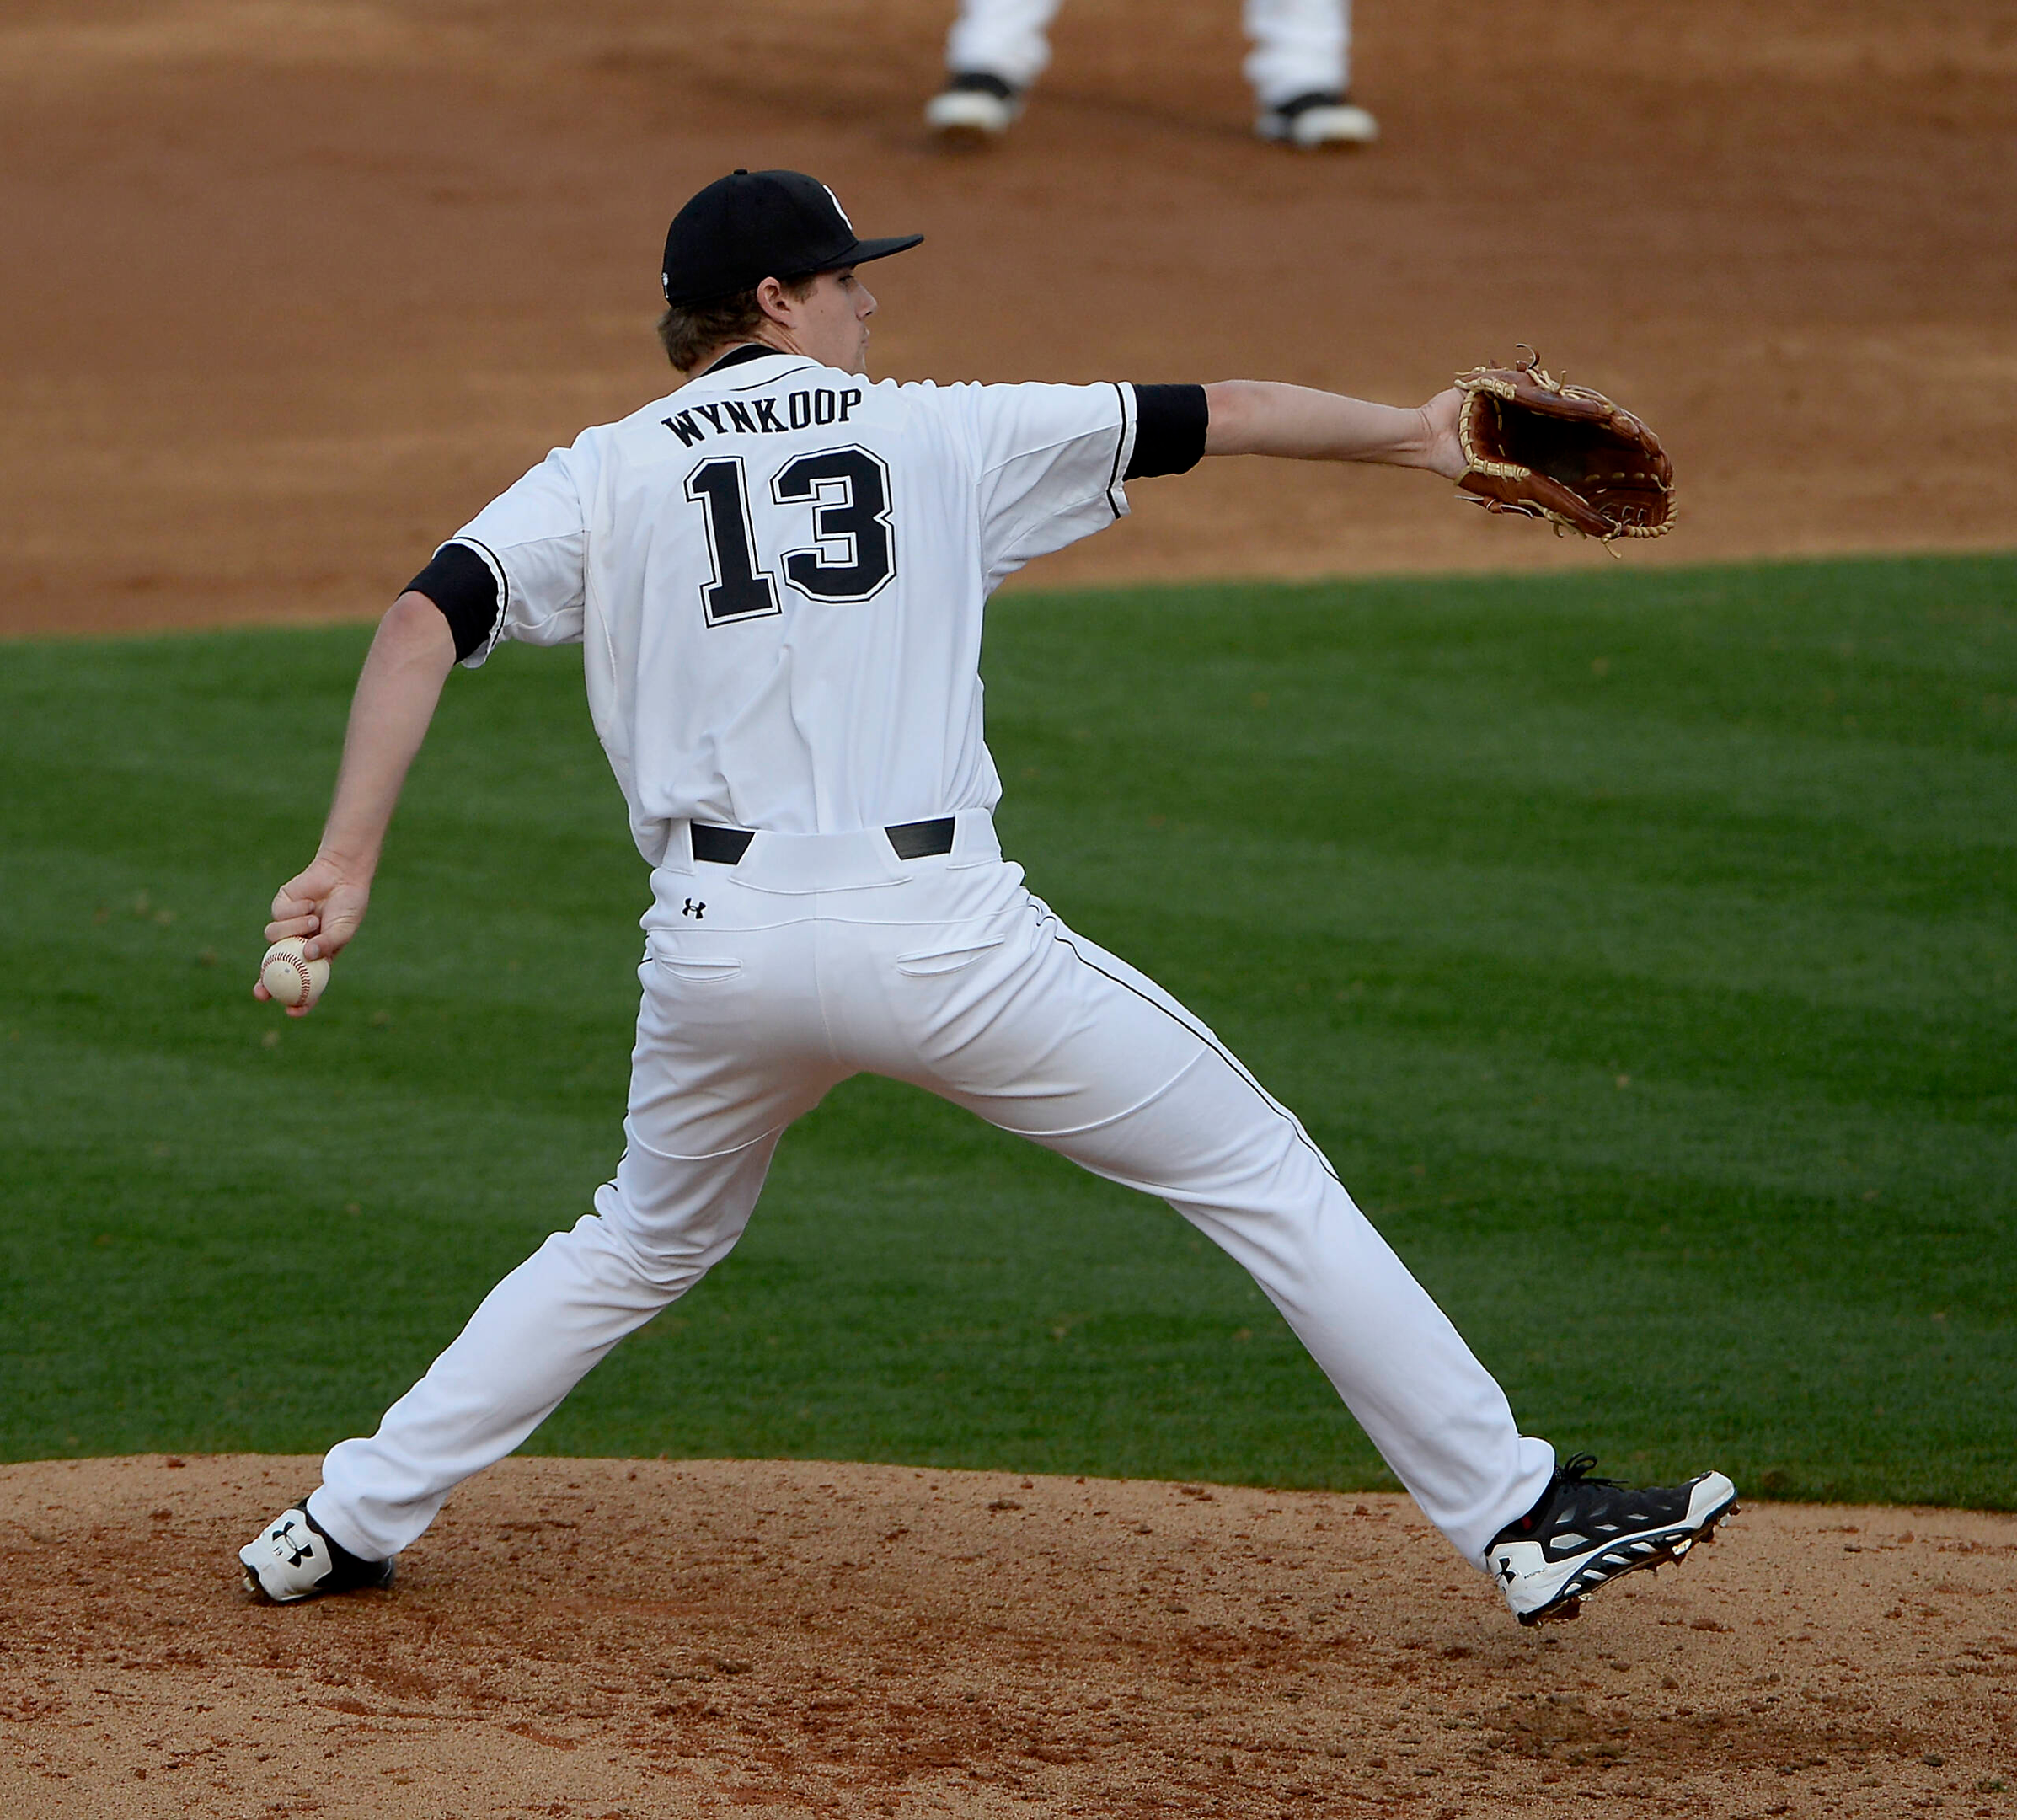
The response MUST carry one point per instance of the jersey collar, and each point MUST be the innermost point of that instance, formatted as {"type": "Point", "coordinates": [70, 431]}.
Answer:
{"type": "Point", "coordinates": [749, 351]}
{"type": "Point", "coordinates": [748, 355]}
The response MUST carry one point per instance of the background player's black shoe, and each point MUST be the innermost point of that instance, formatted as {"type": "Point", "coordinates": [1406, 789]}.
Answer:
{"type": "Point", "coordinates": [976, 105]}
{"type": "Point", "coordinates": [292, 1559]}
{"type": "Point", "coordinates": [1318, 123]}
{"type": "Point", "coordinates": [1584, 1533]}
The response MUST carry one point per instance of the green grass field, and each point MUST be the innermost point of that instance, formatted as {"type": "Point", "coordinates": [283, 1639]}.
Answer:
{"type": "Point", "coordinates": [1640, 945]}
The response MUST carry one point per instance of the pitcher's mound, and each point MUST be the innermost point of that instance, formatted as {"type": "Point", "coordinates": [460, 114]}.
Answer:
{"type": "Point", "coordinates": [625, 1639]}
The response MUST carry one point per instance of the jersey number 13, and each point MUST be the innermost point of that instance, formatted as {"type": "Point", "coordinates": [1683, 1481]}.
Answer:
{"type": "Point", "coordinates": [852, 555]}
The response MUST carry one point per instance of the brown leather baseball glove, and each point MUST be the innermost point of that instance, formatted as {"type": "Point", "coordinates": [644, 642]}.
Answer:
{"type": "Point", "coordinates": [1535, 446]}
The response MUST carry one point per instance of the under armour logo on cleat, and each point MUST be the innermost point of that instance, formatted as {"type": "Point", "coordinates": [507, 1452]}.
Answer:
{"type": "Point", "coordinates": [697, 911]}
{"type": "Point", "coordinates": [1506, 1569]}
{"type": "Point", "coordinates": [298, 1551]}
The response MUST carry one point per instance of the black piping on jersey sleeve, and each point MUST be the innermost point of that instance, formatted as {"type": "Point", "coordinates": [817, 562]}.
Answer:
{"type": "Point", "coordinates": [1170, 421]}
{"type": "Point", "coordinates": [460, 582]}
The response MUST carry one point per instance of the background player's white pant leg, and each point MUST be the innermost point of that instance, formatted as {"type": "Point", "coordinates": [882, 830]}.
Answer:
{"type": "Point", "coordinates": [667, 1219]}
{"type": "Point", "coordinates": [1004, 38]}
{"type": "Point", "coordinates": [1300, 47]}
{"type": "Point", "coordinates": [1050, 1036]}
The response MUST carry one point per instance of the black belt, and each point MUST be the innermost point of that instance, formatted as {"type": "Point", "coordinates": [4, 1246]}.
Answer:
{"type": "Point", "coordinates": [912, 840]}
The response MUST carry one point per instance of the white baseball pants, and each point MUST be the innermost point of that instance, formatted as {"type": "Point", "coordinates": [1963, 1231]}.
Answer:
{"type": "Point", "coordinates": [1300, 46]}
{"type": "Point", "coordinates": [822, 956]}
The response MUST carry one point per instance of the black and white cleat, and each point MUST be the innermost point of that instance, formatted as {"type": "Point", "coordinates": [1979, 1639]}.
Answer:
{"type": "Point", "coordinates": [1585, 1532]}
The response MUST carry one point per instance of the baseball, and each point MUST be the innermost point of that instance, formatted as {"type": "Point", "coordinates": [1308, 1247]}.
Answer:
{"type": "Point", "coordinates": [290, 975]}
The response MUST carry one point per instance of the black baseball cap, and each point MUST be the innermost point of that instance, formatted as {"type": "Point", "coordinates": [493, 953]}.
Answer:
{"type": "Point", "coordinates": [755, 225]}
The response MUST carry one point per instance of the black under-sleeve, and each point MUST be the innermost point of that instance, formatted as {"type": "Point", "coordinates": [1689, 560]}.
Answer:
{"type": "Point", "coordinates": [460, 583]}
{"type": "Point", "coordinates": [1170, 421]}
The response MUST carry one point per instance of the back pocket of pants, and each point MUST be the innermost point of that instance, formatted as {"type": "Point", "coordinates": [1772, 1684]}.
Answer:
{"type": "Point", "coordinates": [946, 960]}
{"type": "Point", "coordinates": [696, 969]}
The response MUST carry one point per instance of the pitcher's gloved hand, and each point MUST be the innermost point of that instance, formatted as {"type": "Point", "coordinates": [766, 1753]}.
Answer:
{"type": "Point", "coordinates": [1534, 446]}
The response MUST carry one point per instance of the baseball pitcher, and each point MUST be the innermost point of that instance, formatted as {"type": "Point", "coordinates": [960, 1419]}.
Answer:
{"type": "Point", "coordinates": [779, 573]}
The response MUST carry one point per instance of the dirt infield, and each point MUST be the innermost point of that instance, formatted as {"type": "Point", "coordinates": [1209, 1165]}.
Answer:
{"type": "Point", "coordinates": [625, 1639]}
{"type": "Point", "coordinates": [295, 284]}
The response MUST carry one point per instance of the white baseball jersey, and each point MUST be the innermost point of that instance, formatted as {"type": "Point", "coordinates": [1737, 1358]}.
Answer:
{"type": "Point", "coordinates": [779, 573]}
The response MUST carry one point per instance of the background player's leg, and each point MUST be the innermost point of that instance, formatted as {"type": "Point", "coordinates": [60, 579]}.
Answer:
{"type": "Point", "coordinates": [1300, 67]}
{"type": "Point", "coordinates": [706, 1108]}
{"type": "Point", "coordinates": [1003, 38]}
{"type": "Point", "coordinates": [1299, 47]}
{"type": "Point", "coordinates": [1051, 1037]}
{"type": "Point", "coordinates": [995, 49]}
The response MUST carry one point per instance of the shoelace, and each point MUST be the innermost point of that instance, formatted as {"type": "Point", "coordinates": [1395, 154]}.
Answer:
{"type": "Point", "coordinates": [1578, 1468]}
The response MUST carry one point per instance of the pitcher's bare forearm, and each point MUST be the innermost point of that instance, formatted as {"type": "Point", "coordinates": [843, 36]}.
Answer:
{"type": "Point", "coordinates": [409, 662]}
{"type": "Point", "coordinates": [397, 692]}
{"type": "Point", "coordinates": [1262, 417]}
